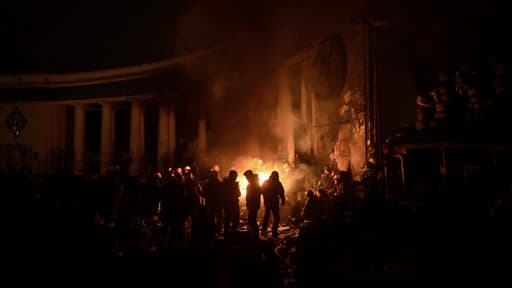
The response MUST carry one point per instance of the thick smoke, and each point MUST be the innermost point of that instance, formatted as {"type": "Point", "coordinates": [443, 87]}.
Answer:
{"type": "Point", "coordinates": [295, 180]}
{"type": "Point", "coordinates": [241, 82]}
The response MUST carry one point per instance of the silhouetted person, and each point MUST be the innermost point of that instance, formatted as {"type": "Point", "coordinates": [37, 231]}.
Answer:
{"type": "Point", "coordinates": [272, 191]}
{"type": "Point", "coordinates": [323, 203]}
{"type": "Point", "coordinates": [348, 188]}
{"type": "Point", "coordinates": [253, 200]}
{"type": "Point", "coordinates": [172, 209]}
{"type": "Point", "coordinates": [326, 181]}
{"type": "Point", "coordinates": [312, 210]}
{"type": "Point", "coordinates": [150, 196]}
{"type": "Point", "coordinates": [212, 192]}
{"type": "Point", "coordinates": [193, 206]}
{"type": "Point", "coordinates": [231, 202]}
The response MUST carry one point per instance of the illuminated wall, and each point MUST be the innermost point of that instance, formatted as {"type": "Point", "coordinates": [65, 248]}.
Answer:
{"type": "Point", "coordinates": [40, 145]}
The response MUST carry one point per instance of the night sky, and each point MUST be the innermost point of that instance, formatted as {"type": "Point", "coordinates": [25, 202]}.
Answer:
{"type": "Point", "coordinates": [424, 37]}
{"type": "Point", "coordinates": [63, 36]}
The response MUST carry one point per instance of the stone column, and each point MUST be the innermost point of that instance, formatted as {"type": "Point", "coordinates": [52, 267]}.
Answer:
{"type": "Point", "coordinates": [163, 138]}
{"type": "Point", "coordinates": [52, 142]}
{"type": "Point", "coordinates": [40, 138]}
{"type": "Point", "coordinates": [286, 115]}
{"type": "Point", "coordinates": [172, 135]}
{"type": "Point", "coordinates": [107, 137]}
{"type": "Point", "coordinates": [314, 123]}
{"type": "Point", "coordinates": [79, 140]}
{"type": "Point", "coordinates": [56, 137]}
{"type": "Point", "coordinates": [142, 133]}
{"type": "Point", "coordinates": [305, 111]}
{"type": "Point", "coordinates": [202, 139]}
{"type": "Point", "coordinates": [136, 138]}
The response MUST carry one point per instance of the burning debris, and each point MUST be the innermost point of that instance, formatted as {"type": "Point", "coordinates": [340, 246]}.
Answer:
{"type": "Point", "coordinates": [263, 169]}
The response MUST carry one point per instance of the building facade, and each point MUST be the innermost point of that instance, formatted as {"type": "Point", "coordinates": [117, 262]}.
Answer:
{"type": "Point", "coordinates": [145, 115]}
{"type": "Point", "coordinates": [85, 122]}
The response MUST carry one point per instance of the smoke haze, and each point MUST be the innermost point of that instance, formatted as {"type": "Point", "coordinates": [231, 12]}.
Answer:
{"type": "Point", "coordinates": [241, 82]}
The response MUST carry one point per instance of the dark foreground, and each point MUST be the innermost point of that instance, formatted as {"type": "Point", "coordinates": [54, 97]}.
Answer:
{"type": "Point", "coordinates": [402, 247]}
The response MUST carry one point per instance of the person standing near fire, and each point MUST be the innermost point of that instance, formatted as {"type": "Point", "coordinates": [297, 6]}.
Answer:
{"type": "Point", "coordinates": [253, 201]}
{"type": "Point", "coordinates": [212, 193]}
{"type": "Point", "coordinates": [231, 201]}
{"type": "Point", "coordinates": [273, 191]}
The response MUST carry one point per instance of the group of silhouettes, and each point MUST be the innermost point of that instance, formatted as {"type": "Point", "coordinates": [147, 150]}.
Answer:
{"type": "Point", "coordinates": [212, 205]}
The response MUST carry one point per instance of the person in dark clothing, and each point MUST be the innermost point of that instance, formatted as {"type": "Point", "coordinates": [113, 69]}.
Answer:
{"type": "Point", "coordinates": [172, 205]}
{"type": "Point", "coordinates": [212, 193]}
{"type": "Point", "coordinates": [272, 191]}
{"type": "Point", "coordinates": [192, 194]}
{"type": "Point", "coordinates": [192, 203]}
{"type": "Point", "coordinates": [311, 211]}
{"type": "Point", "coordinates": [231, 202]}
{"type": "Point", "coordinates": [253, 200]}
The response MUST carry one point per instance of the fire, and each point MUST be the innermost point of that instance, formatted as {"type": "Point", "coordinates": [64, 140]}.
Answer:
{"type": "Point", "coordinates": [263, 175]}
{"type": "Point", "coordinates": [259, 167]}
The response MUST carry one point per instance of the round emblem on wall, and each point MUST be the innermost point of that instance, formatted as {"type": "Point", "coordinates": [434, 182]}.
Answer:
{"type": "Point", "coordinates": [16, 122]}
{"type": "Point", "coordinates": [329, 67]}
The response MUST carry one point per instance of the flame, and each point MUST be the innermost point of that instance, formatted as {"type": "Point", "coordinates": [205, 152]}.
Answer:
{"type": "Point", "coordinates": [263, 175]}
{"type": "Point", "coordinates": [263, 169]}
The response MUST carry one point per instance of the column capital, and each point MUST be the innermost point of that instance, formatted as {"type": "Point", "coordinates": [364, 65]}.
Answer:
{"type": "Point", "coordinates": [136, 137]}
{"type": "Point", "coordinates": [107, 137]}
{"type": "Point", "coordinates": [80, 105]}
{"type": "Point", "coordinates": [136, 101]}
{"type": "Point", "coordinates": [105, 103]}
{"type": "Point", "coordinates": [163, 138]}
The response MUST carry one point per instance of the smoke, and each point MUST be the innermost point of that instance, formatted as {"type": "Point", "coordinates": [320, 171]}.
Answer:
{"type": "Point", "coordinates": [241, 82]}
{"type": "Point", "coordinates": [294, 179]}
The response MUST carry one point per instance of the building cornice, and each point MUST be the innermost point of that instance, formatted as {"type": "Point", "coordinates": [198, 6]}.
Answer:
{"type": "Point", "coordinates": [48, 80]}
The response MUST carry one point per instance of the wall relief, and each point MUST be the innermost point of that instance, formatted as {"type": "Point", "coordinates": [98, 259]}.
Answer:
{"type": "Point", "coordinates": [16, 122]}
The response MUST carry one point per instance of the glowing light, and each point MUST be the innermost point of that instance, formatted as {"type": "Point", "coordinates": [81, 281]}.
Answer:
{"type": "Point", "coordinates": [258, 166]}
{"type": "Point", "coordinates": [262, 175]}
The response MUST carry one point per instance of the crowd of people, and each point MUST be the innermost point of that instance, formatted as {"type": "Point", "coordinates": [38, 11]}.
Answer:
{"type": "Point", "coordinates": [100, 214]}
{"type": "Point", "coordinates": [182, 207]}
{"type": "Point", "coordinates": [468, 100]}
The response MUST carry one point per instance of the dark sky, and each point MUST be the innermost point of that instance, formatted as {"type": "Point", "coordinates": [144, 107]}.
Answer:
{"type": "Point", "coordinates": [61, 36]}
{"type": "Point", "coordinates": [425, 36]}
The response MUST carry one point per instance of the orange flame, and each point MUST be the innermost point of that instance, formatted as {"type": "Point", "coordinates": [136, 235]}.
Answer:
{"type": "Point", "coordinates": [263, 169]}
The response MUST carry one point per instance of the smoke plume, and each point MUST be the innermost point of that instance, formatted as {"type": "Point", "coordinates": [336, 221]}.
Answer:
{"type": "Point", "coordinates": [241, 82]}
